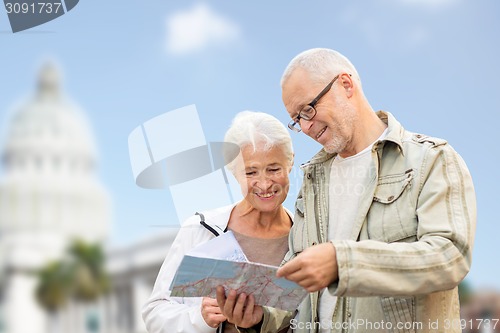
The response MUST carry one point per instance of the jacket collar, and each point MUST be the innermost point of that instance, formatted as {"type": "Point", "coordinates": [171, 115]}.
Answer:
{"type": "Point", "coordinates": [394, 134]}
{"type": "Point", "coordinates": [395, 131]}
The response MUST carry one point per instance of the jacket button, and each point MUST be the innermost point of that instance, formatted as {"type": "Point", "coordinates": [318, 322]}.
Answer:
{"type": "Point", "coordinates": [348, 314]}
{"type": "Point", "coordinates": [390, 198]}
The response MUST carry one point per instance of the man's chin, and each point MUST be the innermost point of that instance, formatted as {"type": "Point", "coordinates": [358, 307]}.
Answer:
{"type": "Point", "coordinates": [332, 148]}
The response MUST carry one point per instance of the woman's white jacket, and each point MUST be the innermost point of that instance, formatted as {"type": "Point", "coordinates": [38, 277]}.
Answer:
{"type": "Point", "coordinates": [165, 314]}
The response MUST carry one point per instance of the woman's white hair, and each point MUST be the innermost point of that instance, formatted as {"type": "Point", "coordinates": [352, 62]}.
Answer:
{"type": "Point", "coordinates": [257, 129]}
{"type": "Point", "coordinates": [321, 64]}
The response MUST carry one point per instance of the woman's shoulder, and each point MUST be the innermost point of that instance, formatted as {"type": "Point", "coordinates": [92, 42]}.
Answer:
{"type": "Point", "coordinates": [217, 216]}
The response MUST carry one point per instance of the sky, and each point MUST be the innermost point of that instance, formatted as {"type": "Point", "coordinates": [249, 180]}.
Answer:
{"type": "Point", "coordinates": [431, 63]}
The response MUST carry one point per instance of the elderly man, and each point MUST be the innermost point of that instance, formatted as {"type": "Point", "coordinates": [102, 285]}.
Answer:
{"type": "Point", "coordinates": [385, 220]}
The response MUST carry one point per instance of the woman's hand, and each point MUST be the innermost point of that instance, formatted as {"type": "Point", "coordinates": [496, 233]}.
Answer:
{"type": "Point", "coordinates": [239, 310]}
{"type": "Point", "coordinates": [211, 312]}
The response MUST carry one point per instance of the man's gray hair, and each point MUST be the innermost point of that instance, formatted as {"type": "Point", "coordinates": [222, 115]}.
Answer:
{"type": "Point", "coordinates": [321, 64]}
{"type": "Point", "coordinates": [256, 128]}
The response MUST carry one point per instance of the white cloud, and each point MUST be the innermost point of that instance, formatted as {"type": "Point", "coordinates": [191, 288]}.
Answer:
{"type": "Point", "coordinates": [197, 28]}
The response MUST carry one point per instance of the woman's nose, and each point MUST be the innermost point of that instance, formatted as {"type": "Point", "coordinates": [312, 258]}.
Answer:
{"type": "Point", "coordinates": [264, 182]}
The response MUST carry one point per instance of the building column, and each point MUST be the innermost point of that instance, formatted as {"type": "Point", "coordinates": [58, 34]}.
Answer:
{"type": "Point", "coordinates": [23, 313]}
{"type": "Point", "coordinates": [141, 291]}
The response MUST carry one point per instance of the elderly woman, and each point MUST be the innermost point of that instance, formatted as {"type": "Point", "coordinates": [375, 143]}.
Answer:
{"type": "Point", "coordinates": [259, 222]}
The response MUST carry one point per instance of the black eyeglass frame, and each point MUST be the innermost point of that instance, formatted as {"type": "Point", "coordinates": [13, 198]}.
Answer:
{"type": "Point", "coordinates": [292, 124]}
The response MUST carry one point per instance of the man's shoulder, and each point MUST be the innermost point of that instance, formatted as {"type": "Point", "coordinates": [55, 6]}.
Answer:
{"type": "Point", "coordinates": [417, 146]}
{"type": "Point", "coordinates": [426, 139]}
{"type": "Point", "coordinates": [399, 134]}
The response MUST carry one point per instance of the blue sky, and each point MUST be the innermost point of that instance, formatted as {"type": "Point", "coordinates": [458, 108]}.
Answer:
{"type": "Point", "coordinates": [432, 63]}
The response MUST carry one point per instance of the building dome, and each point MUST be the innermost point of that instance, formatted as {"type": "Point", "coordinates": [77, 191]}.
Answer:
{"type": "Point", "coordinates": [49, 136]}
{"type": "Point", "coordinates": [49, 192]}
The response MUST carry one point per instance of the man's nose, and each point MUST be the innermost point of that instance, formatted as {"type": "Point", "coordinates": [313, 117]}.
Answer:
{"type": "Point", "coordinates": [306, 125]}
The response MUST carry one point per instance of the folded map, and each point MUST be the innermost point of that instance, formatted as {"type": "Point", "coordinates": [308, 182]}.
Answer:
{"type": "Point", "coordinates": [199, 277]}
{"type": "Point", "coordinates": [221, 262]}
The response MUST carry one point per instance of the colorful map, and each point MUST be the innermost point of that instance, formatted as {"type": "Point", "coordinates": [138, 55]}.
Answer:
{"type": "Point", "coordinates": [199, 277]}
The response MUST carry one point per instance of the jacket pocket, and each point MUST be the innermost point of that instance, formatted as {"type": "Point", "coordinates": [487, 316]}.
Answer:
{"type": "Point", "coordinates": [400, 312]}
{"type": "Point", "coordinates": [392, 216]}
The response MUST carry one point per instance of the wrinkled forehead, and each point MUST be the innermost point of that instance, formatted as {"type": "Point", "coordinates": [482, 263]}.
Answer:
{"type": "Point", "coordinates": [298, 90]}
{"type": "Point", "coordinates": [261, 153]}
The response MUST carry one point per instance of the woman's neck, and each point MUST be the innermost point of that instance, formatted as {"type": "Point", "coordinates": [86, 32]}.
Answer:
{"type": "Point", "coordinates": [247, 220]}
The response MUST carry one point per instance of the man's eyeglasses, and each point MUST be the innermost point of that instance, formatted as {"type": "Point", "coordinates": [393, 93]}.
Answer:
{"type": "Point", "coordinates": [309, 111]}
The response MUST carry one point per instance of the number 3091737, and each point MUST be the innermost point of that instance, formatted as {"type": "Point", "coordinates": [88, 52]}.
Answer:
{"type": "Point", "coordinates": [33, 8]}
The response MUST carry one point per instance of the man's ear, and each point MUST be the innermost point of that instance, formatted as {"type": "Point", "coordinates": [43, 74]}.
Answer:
{"type": "Point", "coordinates": [348, 84]}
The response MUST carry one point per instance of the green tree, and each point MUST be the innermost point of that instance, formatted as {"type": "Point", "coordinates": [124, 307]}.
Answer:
{"type": "Point", "coordinates": [90, 280]}
{"type": "Point", "coordinates": [52, 292]}
{"type": "Point", "coordinates": [80, 276]}
{"type": "Point", "coordinates": [54, 285]}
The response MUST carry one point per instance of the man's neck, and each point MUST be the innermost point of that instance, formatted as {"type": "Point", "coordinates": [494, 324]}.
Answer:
{"type": "Point", "coordinates": [367, 131]}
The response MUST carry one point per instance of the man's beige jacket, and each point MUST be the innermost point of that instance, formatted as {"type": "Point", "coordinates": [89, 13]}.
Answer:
{"type": "Point", "coordinates": [411, 244]}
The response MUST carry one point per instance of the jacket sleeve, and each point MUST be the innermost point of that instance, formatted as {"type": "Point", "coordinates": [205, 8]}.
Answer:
{"type": "Point", "coordinates": [165, 314]}
{"type": "Point", "coordinates": [438, 258]}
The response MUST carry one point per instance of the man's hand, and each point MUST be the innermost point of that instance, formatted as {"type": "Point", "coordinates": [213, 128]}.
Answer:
{"type": "Point", "coordinates": [313, 269]}
{"type": "Point", "coordinates": [239, 310]}
{"type": "Point", "coordinates": [211, 312]}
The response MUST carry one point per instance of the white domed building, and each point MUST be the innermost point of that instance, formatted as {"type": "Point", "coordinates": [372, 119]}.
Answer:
{"type": "Point", "coordinates": [49, 195]}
